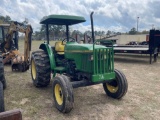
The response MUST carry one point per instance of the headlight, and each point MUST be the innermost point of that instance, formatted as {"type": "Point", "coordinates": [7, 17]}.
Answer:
{"type": "Point", "coordinates": [90, 57]}
{"type": "Point", "coordinates": [101, 57]}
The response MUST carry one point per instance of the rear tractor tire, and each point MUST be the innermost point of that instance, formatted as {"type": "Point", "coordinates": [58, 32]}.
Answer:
{"type": "Point", "coordinates": [63, 94]}
{"type": "Point", "coordinates": [40, 69]}
{"type": "Point", "coordinates": [118, 87]}
{"type": "Point", "coordinates": [2, 108]}
{"type": "Point", "coordinates": [2, 77]}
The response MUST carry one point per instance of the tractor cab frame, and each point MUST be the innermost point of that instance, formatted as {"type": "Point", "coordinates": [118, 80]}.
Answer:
{"type": "Point", "coordinates": [66, 20]}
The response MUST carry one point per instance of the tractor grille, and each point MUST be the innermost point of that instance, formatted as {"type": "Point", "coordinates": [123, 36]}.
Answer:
{"type": "Point", "coordinates": [103, 61]}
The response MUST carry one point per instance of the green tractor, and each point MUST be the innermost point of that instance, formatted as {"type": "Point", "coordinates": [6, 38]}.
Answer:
{"type": "Point", "coordinates": [75, 65]}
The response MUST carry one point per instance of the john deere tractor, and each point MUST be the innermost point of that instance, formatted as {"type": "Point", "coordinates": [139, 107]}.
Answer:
{"type": "Point", "coordinates": [74, 65]}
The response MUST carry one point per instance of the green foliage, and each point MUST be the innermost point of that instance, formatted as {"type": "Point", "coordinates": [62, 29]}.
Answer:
{"type": "Point", "coordinates": [145, 32]}
{"type": "Point", "coordinates": [109, 33]}
{"type": "Point", "coordinates": [133, 31]}
{"type": "Point", "coordinates": [55, 31]}
{"type": "Point", "coordinates": [4, 19]}
{"type": "Point", "coordinates": [75, 32]}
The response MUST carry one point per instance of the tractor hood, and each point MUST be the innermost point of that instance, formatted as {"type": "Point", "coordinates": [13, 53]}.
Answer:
{"type": "Point", "coordinates": [76, 47]}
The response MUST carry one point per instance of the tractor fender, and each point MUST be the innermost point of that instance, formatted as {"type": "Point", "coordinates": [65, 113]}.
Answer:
{"type": "Point", "coordinates": [47, 48]}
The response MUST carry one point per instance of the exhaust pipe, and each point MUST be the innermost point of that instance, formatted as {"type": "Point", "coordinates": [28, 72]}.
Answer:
{"type": "Point", "coordinates": [91, 17]}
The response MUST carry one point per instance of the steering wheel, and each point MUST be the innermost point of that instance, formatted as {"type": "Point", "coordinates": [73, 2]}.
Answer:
{"type": "Point", "coordinates": [71, 39]}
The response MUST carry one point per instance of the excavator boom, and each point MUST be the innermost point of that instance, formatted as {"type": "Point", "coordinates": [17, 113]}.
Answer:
{"type": "Point", "coordinates": [9, 47]}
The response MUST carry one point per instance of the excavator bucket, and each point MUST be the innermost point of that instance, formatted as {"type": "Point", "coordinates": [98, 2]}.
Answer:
{"type": "Point", "coordinates": [18, 64]}
{"type": "Point", "coordinates": [11, 115]}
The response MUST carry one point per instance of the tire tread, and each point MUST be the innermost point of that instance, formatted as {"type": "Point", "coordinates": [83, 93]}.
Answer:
{"type": "Point", "coordinates": [43, 68]}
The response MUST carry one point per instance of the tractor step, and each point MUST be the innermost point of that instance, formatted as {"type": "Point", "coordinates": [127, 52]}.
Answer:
{"type": "Point", "coordinates": [59, 69]}
{"type": "Point", "coordinates": [83, 83]}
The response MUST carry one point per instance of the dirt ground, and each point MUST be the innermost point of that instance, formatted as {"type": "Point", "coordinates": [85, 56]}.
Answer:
{"type": "Point", "coordinates": [142, 101]}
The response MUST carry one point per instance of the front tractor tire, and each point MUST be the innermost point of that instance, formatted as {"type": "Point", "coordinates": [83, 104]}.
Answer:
{"type": "Point", "coordinates": [40, 69]}
{"type": "Point", "coordinates": [63, 94]}
{"type": "Point", "coordinates": [118, 87]}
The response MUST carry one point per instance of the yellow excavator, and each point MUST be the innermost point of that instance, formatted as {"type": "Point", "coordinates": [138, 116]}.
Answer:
{"type": "Point", "coordinates": [9, 45]}
{"type": "Point", "coordinates": [9, 53]}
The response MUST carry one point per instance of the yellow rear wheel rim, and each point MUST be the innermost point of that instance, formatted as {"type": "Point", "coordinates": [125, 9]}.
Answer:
{"type": "Point", "coordinates": [33, 70]}
{"type": "Point", "coordinates": [112, 89]}
{"type": "Point", "coordinates": [58, 94]}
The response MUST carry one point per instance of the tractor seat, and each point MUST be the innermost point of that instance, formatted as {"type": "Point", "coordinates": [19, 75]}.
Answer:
{"type": "Point", "coordinates": [59, 48]}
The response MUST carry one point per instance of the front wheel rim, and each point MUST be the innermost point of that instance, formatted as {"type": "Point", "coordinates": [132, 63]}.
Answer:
{"type": "Point", "coordinates": [33, 70]}
{"type": "Point", "coordinates": [111, 88]}
{"type": "Point", "coordinates": [58, 94]}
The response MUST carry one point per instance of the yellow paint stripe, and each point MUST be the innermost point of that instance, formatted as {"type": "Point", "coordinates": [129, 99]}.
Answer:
{"type": "Point", "coordinates": [79, 51]}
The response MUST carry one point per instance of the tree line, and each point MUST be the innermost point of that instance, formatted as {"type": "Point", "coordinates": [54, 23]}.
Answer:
{"type": "Point", "coordinates": [133, 31]}
{"type": "Point", "coordinates": [58, 31]}
{"type": "Point", "coordinates": [5, 19]}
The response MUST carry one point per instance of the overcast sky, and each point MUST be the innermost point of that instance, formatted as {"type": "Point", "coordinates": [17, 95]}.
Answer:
{"type": "Point", "coordinates": [115, 15]}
